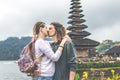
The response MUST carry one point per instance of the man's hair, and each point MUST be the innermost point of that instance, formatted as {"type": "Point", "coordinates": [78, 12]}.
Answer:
{"type": "Point", "coordinates": [59, 29]}
{"type": "Point", "coordinates": [37, 27]}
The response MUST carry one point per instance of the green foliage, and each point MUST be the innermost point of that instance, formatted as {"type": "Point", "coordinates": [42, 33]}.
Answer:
{"type": "Point", "coordinates": [105, 45]}
{"type": "Point", "coordinates": [115, 77]}
{"type": "Point", "coordinates": [97, 65]}
{"type": "Point", "coordinates": [93, 78]}
{"type": "Point", "coordinates": [77, 76]}
{"type": "Point", "coordinates": [102, 47]}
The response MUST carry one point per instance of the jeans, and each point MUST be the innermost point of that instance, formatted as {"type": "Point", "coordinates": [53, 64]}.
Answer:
{"type": "Point", "coordinates": [43, 78]}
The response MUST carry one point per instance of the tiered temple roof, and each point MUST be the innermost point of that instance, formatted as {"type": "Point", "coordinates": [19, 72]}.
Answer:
{"type": "Point", "coordinates": [76, 28]}
{"type": "Point", "coordinates": [113, 50]}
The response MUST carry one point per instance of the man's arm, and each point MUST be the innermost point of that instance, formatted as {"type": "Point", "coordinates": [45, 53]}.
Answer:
{"type": "Point", "coordinates": [72, 75]}
{"type": "Point", "coordinates": [71, 60]}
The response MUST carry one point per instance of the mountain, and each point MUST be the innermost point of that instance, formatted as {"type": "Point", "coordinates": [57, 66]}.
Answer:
{"type": "Point", "coordinates": [12, 46]}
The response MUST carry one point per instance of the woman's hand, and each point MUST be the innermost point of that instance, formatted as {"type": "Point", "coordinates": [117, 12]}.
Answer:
{"type": "Point", "coordinates": [36, 73]}
{"type": "Point", "coordinates": [68, 38]}
{"type": "Point", "coordinates": [65, 38]}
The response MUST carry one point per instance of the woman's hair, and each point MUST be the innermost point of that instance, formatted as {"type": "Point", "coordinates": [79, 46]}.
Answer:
{"type": "Point", "coordinates": [59, 29]}
{"type": "Point", "coordinates": [37, 27]}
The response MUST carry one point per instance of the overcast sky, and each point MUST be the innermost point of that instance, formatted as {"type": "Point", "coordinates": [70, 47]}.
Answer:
{"type": "Point", "coordinates": [17, 17]}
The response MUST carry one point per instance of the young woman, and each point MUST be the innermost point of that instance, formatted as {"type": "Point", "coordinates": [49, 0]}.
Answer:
{"type": "Point", "coordinates": [65, 67]}
{"type": "Point", "coordinates": [46, 66]}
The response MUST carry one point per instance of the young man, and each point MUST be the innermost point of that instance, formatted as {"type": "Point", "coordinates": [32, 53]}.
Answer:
{"type": "Point", "coordinates": [45, 67]}
{"type": "Point", "coordinates": [65, 67]}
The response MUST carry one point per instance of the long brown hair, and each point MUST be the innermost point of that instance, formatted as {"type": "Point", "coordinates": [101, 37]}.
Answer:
{"type": "Point", "coordinates": [37, 27]}
{"type": "Point", "coordinates": [60, 30]}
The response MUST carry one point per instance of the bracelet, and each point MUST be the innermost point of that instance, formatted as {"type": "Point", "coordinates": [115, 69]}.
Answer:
{"type": "Point", "coordinates": [61, 46]}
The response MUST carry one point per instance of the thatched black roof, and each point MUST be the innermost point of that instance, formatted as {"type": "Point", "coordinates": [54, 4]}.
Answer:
{"type": "Point", "coordinates": [74, 0]}
{"type": "Point", "coordinates": [77, 27]}
{"type": "Point", "coordinates": [77, 33]}
{"type": "Point", "coordinates": [76, 21]}
{"type": "Point", "coordinates": [76, 15]}
{"type": "Point", "coordinates": [85, 43]}
{"type": "Point", "coordinates": [113, 50]}
{"type": "Point", "coordinates": [80, 34]}
{"type": "Point", "coordinates": [75, 3]}
{"type": "Point", "coordinates": [76, 11]}
{"type": "Point", "coordinates": [75, 7]}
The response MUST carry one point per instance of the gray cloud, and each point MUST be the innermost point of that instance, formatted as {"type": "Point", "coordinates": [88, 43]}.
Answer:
{"type": "Point", "coordinates": [104, 14]}
{"type": "Point", "coordinates": [19, 16]}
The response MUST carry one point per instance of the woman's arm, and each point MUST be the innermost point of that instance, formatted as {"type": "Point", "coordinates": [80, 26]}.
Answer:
{"type": "Point", "coordinates": [47, 50]}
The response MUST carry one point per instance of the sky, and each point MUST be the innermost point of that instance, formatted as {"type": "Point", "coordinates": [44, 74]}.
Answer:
{"type": "Point", "coordinates": [17, 17]}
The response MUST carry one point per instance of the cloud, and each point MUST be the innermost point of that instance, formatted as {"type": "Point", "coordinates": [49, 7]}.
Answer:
{"type": "Point", "coordinates": [106, 32]}
{"type": "Point", "coordinates": [17, 17]}
{"type": "Point", "coordinates": [102, 18]}
{"type": "Point", "coordinates": [101, 13]}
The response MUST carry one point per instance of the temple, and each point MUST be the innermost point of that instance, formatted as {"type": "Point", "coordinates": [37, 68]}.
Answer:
{"type": "Point", "coordinates": [77, 33]}
{"type": "Point", "coordinates": [114, 51]}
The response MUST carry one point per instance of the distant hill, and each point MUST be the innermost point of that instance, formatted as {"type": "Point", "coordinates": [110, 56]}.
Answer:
{"type": "Point", "coordinates": [12, 46]}
{"type": "Point", "coordinates": [106, 45]}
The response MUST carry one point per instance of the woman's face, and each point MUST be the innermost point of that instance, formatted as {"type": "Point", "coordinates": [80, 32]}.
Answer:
{"type": "Point", "coordinates": [51, 31]}
{"type": "Point", "coordinates": [44, 31]}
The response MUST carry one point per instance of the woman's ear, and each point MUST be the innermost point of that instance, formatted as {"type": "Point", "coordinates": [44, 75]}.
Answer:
{"type": "Point", "coordinates": [41, 29]}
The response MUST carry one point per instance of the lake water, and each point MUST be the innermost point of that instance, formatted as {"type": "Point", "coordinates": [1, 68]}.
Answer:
{"type": "Point", "coordinates": [9, 71]}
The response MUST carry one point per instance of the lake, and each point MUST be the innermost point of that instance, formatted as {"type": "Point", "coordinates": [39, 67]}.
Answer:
{"type": "Point", "coordinates": [9, 71]}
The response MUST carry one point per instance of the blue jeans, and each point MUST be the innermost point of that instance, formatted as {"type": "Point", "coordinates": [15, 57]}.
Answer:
{"type": "Point", "coordinates": [43, 78]}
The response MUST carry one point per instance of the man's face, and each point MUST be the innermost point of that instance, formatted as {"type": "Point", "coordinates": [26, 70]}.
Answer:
{"type": "Point", "coordinates": [51, 31]}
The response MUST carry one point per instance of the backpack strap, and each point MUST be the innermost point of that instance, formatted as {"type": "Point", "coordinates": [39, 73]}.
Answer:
{"type": "Point", "coordinates": [39, 59]}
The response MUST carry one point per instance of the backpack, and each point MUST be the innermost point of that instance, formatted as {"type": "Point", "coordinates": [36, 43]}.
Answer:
{"type": "Point", "coordinates": [26, 58]}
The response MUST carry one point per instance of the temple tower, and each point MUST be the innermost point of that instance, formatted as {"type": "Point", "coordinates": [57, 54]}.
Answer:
{"type": "Point", "coordinates": [77, 32]}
